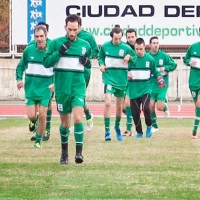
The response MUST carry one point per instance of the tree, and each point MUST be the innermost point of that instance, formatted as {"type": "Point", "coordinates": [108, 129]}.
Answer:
{"type": "Point", "coordinates": [4, 24]}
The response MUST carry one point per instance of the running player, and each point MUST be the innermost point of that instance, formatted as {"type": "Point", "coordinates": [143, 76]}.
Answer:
{"type": "Point", "coordinates": [140, 86]}
{"type": "Point", "coordinates": [164, 64]}
{"type": "Point", "coordinates": [192, 59]}
{"type": "Point", "coordinates": [87, 71]}
{"type": "Point", "coordinates": [69, 55]}
{"type": "Point", "coordinates": [131, 36]}
{"type": "Point", "coordinates": [114, 57]}
{"type": "Point", "coordinates": [37, 81]}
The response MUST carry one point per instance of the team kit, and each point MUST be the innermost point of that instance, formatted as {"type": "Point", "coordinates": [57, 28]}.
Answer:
{"type": "Point", "coordinates": [61, 68]}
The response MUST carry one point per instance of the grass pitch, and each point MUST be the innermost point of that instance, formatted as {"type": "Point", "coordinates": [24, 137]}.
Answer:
{"type": "Point", "coordinates": [166, 166]}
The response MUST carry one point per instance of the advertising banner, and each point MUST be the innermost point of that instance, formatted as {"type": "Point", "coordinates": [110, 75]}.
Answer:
{"type": "Point", "coordinates": [174, 22]}
{"type": "Point", "coordinates": [36, 13]}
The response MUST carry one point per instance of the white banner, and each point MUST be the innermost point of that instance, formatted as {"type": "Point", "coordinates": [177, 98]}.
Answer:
{"type": "Point", "coordinates": [174, 22]}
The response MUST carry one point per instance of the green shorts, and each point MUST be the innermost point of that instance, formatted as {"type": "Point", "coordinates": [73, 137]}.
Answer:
{"type": "Point", "coordinates": [65, 103]}
{"type": "Point", "coordinates": [159, 96]}
{"type": "Point", "coordinates": [42, 102]}
{"type": "Point", "coordinates": [87, 73]}
{"type": "Point", "coordinates": [195, 94]}
{"type": "Point", "coordinates": [117, 93]}
{"type": "Point", "coordinates": [127, 91]}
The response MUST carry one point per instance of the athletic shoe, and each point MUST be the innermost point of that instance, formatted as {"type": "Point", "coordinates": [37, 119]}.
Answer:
{"type": "Point", "coordinates": [32, 125]}
{"type": "Point", "coordinates": [119, 134]}
{"type": "Point", "coordinates": [33, 138]}
{"type": "Point", "coordinates": [154, 130]}
{"type": "Point", "coordinates": [127, 133]}
{"type": "Point", "coordinates": [148, 132]}
{"type": "Point", "coordinates": [89, 123]}
{"type": "Point", "coordinates": [78, 158]}
{"type": "Point", "coordinates": [194, 136]}
{"type": "Point", "coordinates": [37, 145]}
{"type": "Point", "coordinates": [46, 135]}
{"type": "Point", "coordinates": [139, 135]}
{"type": "Point", "coordinates": [167, 113]}
{"type": "Point", "coordinates": [64, 158]}
{"type": "Point", "coordinates": [107, 136]}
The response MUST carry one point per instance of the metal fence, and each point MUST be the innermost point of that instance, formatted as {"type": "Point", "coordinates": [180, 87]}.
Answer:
{"type": "Point", "coordinates": [178, 80]}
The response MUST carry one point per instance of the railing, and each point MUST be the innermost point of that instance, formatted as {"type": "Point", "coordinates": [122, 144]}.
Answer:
{"type": "Point", "coordinates": [178, 80]}
{"type": "Point", "coordinates": [180, 69]}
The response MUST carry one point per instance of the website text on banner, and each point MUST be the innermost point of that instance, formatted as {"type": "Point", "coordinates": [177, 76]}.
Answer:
{"type": "Point", "coordinates": [170, 21]}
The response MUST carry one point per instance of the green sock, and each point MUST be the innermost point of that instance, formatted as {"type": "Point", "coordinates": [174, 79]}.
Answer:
{"type": "Point", "coordinates": [196, 124]}
{"type": "Point", "coordinates": [117, 122]}
{"type": "Point", "coordinates": [88, 114]}
{"type": "Point", "coordinates": [107, 124]}
{"type": "Point", "coordinates": [64, 134]}
{"type": "Point", "coordinates": [196, 121]}
{"type": "Point", "coordinates": [78, 133]}
{"type": "Point", "coordinates": [165, 108]}
{"type": "Point", "coordinates": [48, 119]}
{"type": "Point", "coordinates": [129, 118]}
{"type": "Point", "coordinates": [154, 119]}
{"type": "Point", "coordinates": [38, 138]}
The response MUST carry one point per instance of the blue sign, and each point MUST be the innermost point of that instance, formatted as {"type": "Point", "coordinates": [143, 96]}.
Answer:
{"type": "Point", "coordinates": [36, 12]}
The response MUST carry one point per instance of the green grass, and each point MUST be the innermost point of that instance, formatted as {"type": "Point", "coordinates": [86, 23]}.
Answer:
{"type": "Point", "coordinates": [165, 166]}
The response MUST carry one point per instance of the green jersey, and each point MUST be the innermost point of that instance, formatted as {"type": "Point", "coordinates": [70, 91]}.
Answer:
{"type": "Point", "coordinates": [193, 53]}
{"type": "Point", "coordinates": [91, 40]}
{"type": "Point", "coordinates": [37, 77]}
{"type": "Point", "coordinates": [162, 60]}
{"type": "Point", "coordinates": [111, 56]}
{"type": "Point", "coordinates": [68, 71]}
{"type": "Point", "coordinates": [142, 71]}
{"type": "Point", "coordinates": [95, 50]}
{"type": "Point", "coordinates": [20, 64]}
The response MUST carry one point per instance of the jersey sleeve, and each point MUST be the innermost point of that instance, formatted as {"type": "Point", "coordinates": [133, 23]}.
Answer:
{"type": "Point", "coordinates": [170, 64]}
{"type": "Point", "coordinates": [101, 57]}
{"type": "Point", "coordinates": [94, 46]}
{"type": "Point", "coordinates": [133, 57]}
{"type": "Point", "coordinates": [52, 55]}
{"type": "Point", "coordinates": [187, 56]}
{"type": "Point", "coordinates": [21, 66]}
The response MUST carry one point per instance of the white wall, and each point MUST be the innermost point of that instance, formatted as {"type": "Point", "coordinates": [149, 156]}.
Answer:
{"type": "Point", "coordinates": [8, 88]}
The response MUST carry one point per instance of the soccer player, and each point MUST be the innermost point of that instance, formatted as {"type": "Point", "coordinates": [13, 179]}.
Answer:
{"type": "Point", "coordinates": [164, 64]}
{"type": "Point", "coordinates": [192, 59]}
{"type": "Point", "coordinates": [37, 81]}
{"type": "Point", "coordinates": [46, 135]}
{"type": "Point", "coordinates": [140, 86]}
{"type": "Point", "coordinates": [47, 28]}
{"type": "Point", "coordinates": [113, 60]}
{"type": "Point", "coordinates": [69, 55]}
{"type": "Point", "coordinates": [33, 124]}
{"type": "Point", "coordinates": [87, 71]}
{"type": "Point", "coordinates": [131, 36]}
